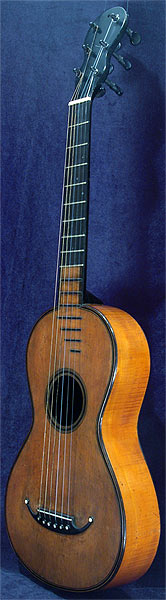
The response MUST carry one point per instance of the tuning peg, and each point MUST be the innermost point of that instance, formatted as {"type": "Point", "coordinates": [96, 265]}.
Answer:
{"type": "Point", "coordinates": [95, 27]}
{"type": "Point", "coordinates": [111, 69]}
{"type": "Point", "coordinates": [101, 92]}
{"type": "Point", "coordinates": [134, 37]}
{"type": "Point", "coordinates": [114, 87]}
{"type": "Point", "coordinates": [123, 61]}
{"type": "Point", "coordinates": [114, 17]}
{"type": "Point", "coordinates": [77, 72]}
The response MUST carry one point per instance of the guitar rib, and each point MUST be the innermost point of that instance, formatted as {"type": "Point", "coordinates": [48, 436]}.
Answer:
{"type": "Point", "coordinates": [93, 474]}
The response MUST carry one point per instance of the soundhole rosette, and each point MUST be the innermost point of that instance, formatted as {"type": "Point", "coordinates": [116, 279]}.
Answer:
{"type": "Point", "coordinates": [65, 400]}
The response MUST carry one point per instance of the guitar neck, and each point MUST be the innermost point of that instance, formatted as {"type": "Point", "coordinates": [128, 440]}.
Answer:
{"type": "Point", "coordinates": [74, 224]}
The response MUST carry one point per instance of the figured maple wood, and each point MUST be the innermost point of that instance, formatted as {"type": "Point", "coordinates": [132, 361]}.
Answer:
{"type": "Point", "coordinates": [86, 561]}
{"type": "Point", "coordinates": [120, 436]}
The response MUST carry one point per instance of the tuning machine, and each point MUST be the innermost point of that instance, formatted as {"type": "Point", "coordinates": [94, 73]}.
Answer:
{"type": "Point", "coordinates": [77, 72]}
{"type": "Point", "coordinates": [122, 61]}
{"type": "Point", "coordinates": [101, 92]}
{"type": "Point", "coordinates": [134, 37]}
{"type": "Point", "coordinates": [114, 87]}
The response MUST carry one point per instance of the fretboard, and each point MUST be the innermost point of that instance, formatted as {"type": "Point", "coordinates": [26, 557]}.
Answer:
{"type": "Point", "coordinates": [73, 247]}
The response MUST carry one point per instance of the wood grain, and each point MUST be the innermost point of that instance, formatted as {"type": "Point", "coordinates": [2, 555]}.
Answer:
{"type": "Point", "coordinates": [121, 440]}
{"type": "Point", "coordinates": [86, 561]}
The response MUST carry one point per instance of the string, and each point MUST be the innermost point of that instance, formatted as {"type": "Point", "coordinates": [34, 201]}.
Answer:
{"type": "Point", "coordinates": [80, 212]}
{"type": "Point", "coordinates": [53, 320]}
{"type": "Point", "coordinates": [64, 275]}
{"type": "Point", "coordinates": [51, 346]}
{"type": "Point", "coordinates": [70, 449]}
{"type": "Point", "coordinates": [78, 119]}
{"type": "Point", "coordinates": [77, 87]}
{"type": "Point", "coordinates": [76, 91]}
{"type": "Point", "coordinates": [56, 338]}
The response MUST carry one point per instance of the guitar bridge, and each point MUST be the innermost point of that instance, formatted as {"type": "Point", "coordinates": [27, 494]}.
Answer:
{"type": "Point", "coordinates": [59, 523]}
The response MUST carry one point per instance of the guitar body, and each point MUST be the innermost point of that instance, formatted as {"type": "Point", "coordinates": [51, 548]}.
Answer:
{"type": "Point", "coordinates": [103, 480]}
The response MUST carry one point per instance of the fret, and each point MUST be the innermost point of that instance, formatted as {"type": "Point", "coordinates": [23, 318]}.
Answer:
{"type": "Point", "coordinates": [73, 236]}
{"type": "Point", "coordinates": [72, 279]}
{"type": "Point", "coordinates": [77, 124]}
{"type": "Point", "coordinates": [73, 184]}
{"type": "Point", "coordinates": [77, 145]}
{"type": "Point", "coordinates": [70, 220]}
{"type": "Point", "coordinates": [75, 250]}
{"type": "Point", "coordinates": [78, 165]}
{"type": "Point", "coordinates": [72, 340]}
{"type": "Point", "coordinates": [64, 266]}
{"type": "Point", "coordinates": [69, 305]}
{"type": "Point", "coordinates": [78, 202]}
{"type": "Point", "coordinates": [71, 328]}
{"type": "Point", "coordinates": [69, 317]}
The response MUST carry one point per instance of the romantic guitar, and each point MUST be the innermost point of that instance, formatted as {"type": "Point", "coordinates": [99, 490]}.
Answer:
{"type": "Point", "coordinates": [81, 508]}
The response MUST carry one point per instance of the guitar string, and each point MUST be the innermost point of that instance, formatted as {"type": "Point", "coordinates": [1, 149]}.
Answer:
{"type": "Point", "coordinates": [78, 85]}
{"type": "Point", "coordinates": [52, 394]}
{"type": "Point", "coordinates": [78, 211]}
{"type": "Point", "coordinates": [77, 88]}
{"type": "Point", "coordinates": [68, 141]}
{"type": "Point", "coordinates": [95, 64]}
{"type": "Point", "coordinates": [53, 451]}
{"type": "Point", "coordinates": [76, 93]}
{"type": "Point", "coordinates": [80, 355]}
{"type": "Point", "coordinates": [72, 311]}
{"type": "Point", "coordinates": [51, 346]}
{"type": "Point", "coordinates": [64, 276]}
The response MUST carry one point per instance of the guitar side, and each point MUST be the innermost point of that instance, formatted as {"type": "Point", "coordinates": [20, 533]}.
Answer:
{"type": "Point", "coordinates": [120, 437]}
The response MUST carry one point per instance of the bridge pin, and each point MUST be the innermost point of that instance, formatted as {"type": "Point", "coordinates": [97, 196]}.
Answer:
{"type": "Point", "coordinates": [43, 522]}
{"type": "Point", "coordinates": [48, 524]}
{"type": "Point", "coordinates": [90, 519]}
{"type": "Point", "coordinates": [61, 527]}
{"type": "Point", "coordinates": [67, 527]}
{"type": "Point", "coordinates": [54, 525]}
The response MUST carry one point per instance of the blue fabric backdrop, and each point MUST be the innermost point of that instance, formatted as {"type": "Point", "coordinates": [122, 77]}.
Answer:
{"type": "Point", "coordinates": [41, 43]}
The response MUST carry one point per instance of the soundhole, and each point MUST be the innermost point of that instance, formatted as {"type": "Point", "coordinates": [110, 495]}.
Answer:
{"type": "Point", "coordinates": [65, 401]}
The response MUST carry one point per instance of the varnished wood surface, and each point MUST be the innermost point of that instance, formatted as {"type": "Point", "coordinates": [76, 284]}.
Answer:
{"type": "Point", "coordinates": [121, 440]}
{"type": "Point", "coordinates": [85, 561]}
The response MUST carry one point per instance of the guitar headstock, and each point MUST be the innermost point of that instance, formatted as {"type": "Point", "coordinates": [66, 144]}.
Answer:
{"type": "Point", "coordinates": [102, 41]}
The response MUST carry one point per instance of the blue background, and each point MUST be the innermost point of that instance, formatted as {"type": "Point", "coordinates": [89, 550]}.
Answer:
{"type": "Point", "coordinates": [41, 43]}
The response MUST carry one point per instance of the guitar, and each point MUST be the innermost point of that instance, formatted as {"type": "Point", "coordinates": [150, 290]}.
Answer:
{"type": "Point", "coordinates": [81, 508]}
